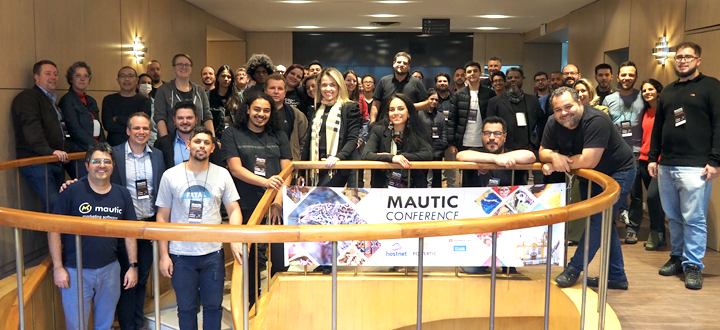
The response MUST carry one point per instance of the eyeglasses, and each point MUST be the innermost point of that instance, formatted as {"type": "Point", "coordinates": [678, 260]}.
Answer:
{"type": "Point", "coordinates": [83, 76]}
{"type": "Point", "coordinates": [498, 82]}
{"type": "Point", "coordinates": [685, 58]}
{"type": "Point", "coordinates": [495, 133]}
{"type": "Point", "coordinates": [571, 73]}
{"type": "Point", "coordinates": [127, 76]}
{"type": "Point", "coordinates": [98, 161]}
{"type": "Point", "coordinates": [540, 80]}
{"type": "Point", "coordinates": [183, 65]}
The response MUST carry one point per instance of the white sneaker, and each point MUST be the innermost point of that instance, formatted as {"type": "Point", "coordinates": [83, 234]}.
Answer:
{"type": "Point", "coordinates": [625, 217]}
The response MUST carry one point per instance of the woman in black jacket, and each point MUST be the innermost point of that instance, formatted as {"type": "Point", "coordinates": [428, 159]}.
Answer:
{"type": "Point", "coordinates": [435, 122]}
{"type": "Point", "coordinates": [399, 139]}
{"type": "Point", "coordinates": [80, 110]}
{"type": "Point", "coordinates": [333, 128]}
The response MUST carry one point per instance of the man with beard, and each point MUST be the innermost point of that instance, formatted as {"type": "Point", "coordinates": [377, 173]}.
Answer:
{"type": "Point", "coordinates": [523, 115]}
{"type": "Point", "coordinates": [291, 120]}
{"type": "Point", "coordinates": [686, 141]}
{"type": "Point", "coordinates": [174, 146]}
{"type": "Point", "coordinates": [556, 81]}
{"type": "Point", "coordinates": [442, 83]}
{"type": "Point", "coordinates": [208, 78]}
{"type": "Point", "coordinates": [459, 79]}
{"type": "Point", "coordinates": [494, 64]}
{"type": "Point", "coordinates": [192, 193]}
{"type": "Point", "coordinates": [603, 76]}
{"type": "Point", "coordinates": [154, 70]}
{"type": "Point", "coordinates": [256, 151]}
{"type": "Point", "coordinates": [398, 82]}
{"type": "Point", "coordinates": [580, 136]}
{"type": "Point", "coordinates": [541, 84]}
{"type": "Point", "coordinates": [570, 74]}
{"type": "Point", "coordinates": [626, 111]}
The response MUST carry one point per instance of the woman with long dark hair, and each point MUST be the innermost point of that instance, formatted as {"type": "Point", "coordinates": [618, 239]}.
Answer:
{"type": "Point", "coordinates": [294, 94]}
{"type": "Point", "coordinates": [400, 139]}
{"type": "Point", "coordinates": [650, 90]}
{"type": "Point", "coordinates": [334, 128]}
{"type": "Point", "coordinates": [219, 97]}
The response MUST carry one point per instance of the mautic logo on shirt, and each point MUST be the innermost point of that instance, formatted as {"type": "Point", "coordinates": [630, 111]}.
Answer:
{"type": "Point", "coordinates": [85, 208]}
{"type": "Point", "coordinates": [100, 212]}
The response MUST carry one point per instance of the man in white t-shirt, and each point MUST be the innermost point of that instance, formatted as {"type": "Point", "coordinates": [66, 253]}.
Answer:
{"type": "Point", "coordinates": [197, 267]}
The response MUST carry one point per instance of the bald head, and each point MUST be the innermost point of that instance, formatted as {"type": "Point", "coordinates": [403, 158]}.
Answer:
{"type": "Point", "coordinates": [571, 74]}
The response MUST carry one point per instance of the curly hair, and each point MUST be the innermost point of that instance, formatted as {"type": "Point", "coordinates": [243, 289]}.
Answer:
{"type": "Point", "coordinates": [258, 60]}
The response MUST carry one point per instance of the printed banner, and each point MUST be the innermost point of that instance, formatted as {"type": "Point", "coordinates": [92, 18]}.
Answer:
{"type": "Point", "coordinates": [345, 206]}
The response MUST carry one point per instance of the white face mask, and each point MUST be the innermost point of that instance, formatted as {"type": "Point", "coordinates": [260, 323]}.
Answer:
{"type": "Point", "coordinates": [145, 89]}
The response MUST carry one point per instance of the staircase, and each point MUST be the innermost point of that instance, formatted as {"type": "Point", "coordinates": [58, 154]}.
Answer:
{"type": "Point", "coordinates": [169, 318]}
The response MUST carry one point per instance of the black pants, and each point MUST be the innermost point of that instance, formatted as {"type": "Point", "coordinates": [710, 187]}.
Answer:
{"type": "Point", "coordinates": [437, 175]}
{"type": "Point", "coordinates": [655, 211]}
{"type": "Point", "coordinates": [132, 301]}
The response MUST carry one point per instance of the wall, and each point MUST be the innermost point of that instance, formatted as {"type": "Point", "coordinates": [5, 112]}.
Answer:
{"type": "Point", "coordinates": [506, 46]}
{"type": "Point", "coordinates": [99, 33]}
{"type": "Point", "coordinates": [277, 45]}
{"type": "Point", "coordinates": [230, 53]}
{"type": "Point", "coordinates": [540, 57]}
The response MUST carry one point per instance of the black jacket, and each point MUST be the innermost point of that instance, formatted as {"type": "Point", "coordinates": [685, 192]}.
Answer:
{"type": "Point", "coordinates": [79, 119]}
{"type": "Point", "coordinates": [436, 120]}
{"type": "Point", "coordinates": [379, 142]}
{"type": "Point", "coordinates": [459, 109]}
{"type": "Point", "coordinates": [348, 135]}
{"type": "Point", "coordinates": [166, 145]}
{"type": "Point", "coordinates": [500, 106]}
{"type": "Point", "coordinates": [119, 175]}
{"type": "Point", "coordinates": [37, 129]}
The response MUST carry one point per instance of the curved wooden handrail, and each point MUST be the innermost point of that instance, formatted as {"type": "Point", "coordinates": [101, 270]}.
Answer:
{"type": "Point", "coordinates": [29, 286]}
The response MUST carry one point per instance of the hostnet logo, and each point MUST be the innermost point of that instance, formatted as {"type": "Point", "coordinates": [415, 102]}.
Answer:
{"type": "Point", "coordinates": [85, 208]}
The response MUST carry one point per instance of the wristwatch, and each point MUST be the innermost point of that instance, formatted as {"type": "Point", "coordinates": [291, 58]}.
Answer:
{"type": "Point", "coordinates": [133, 264]}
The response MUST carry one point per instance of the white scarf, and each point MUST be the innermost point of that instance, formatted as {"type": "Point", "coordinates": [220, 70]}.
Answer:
{"type": "Point", "coordinates": [332, 131]}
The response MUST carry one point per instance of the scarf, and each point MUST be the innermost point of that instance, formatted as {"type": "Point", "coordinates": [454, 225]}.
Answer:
{"type": "Point", "coordinates": [332, 132]}
{"type": "Point", "coordinates": [515, 99]}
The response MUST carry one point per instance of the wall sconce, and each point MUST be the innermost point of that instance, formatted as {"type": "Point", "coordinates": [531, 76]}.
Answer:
{"type": "Point", "coordinates": [662, 50]}
{"type": "Point", "coordinates": [139, 50]}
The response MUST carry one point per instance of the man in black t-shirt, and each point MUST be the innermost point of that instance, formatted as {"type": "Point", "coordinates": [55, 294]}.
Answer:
{"type": "Point", "coordinates": [493, 151]}
{"type": "Point", "coordinates": [580, 136]}
{"type": "Point", "coordinates": [256, 150]}
{"type": "Point", "coordinates": [93, 197]}
{"type": "Point", "coordinates": [398, 82]}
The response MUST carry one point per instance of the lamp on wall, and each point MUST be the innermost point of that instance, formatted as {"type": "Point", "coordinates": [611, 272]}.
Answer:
{"type": "Point", "coordinates": [662, 50]}
{"type": "Point", "coordinates": [139, 50]}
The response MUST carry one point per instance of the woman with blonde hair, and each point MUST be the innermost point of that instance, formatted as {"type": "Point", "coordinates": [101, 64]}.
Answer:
{"type": "Point", "coordinates": [586, 93]}
{"type": "Point", "coordinates": [334, 128]}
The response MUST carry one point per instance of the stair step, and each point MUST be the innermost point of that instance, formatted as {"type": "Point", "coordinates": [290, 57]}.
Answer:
{"type": "Point", "coordinates": [169, 318]}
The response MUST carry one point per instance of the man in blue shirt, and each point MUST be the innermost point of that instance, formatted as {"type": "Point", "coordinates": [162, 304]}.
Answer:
{"type": "Point", "coordinates": [174, 145]}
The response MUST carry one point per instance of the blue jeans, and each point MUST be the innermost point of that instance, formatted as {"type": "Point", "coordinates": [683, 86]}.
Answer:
{"type": "Point", "coordinates": [203, 277]}
{"type": "Point", "coordinates": [685, 196]}
{"type": "Point", "coordinates": [101, 291]}
{"type": "Point", "coordinates": [617, 266]}
{"type": "Point", "coordinates": [35, 176]}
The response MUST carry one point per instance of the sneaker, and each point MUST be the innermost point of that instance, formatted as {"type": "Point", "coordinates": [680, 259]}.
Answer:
{"type": "Point", "coordinates": [693, 277]}
{"type": "Point", "coordinates": [625, 217]}
{"type": "Point", "coordinates": [631, 236]}
{"type": "Point", "coordinates": [593, 282]}
{"type": "Point", "coordinates": [567, 278]}
{"type": "Point", "coordinates": [672, 267]}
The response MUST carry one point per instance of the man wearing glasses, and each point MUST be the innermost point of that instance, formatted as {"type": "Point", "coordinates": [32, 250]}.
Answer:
{"type": "Point", "coordinates": [93, 197]}
{"type": "Point", "coordinates": [686, 144]}
{"type": "Point", "coordinates": [570, 74]}
{"type": "Point", "coordinates": [117, 108]}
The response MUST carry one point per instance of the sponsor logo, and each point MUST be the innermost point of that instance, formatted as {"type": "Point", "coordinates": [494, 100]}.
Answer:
{"type": "Point", "coordinates": [396, 251]}
{"type": "Point", "coordinates": [85, 208]}
{"type": "Point", "coordinates": [396, 247]}
{"type": "Point", "coordinates": [459, 248]}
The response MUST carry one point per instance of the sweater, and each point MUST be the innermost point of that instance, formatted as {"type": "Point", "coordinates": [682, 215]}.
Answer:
{"type": "Point", "coordinates": [116, 109]}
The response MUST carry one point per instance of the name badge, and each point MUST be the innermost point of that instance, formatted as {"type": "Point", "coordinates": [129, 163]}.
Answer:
{"type": "Point", "coordinates": [195, 214]}
{"type": "Point", "coordinates": [141, 186]}
{"type": "Point", "coordinates": [435, 132]}
{"type": "Point", "coordinates": [679, 117]}
{"type": "Point", "coordinates": [446, 113]}
{"type": "Point", "coordinates": [625, 128]}
{"type": "Point", "coordinates": [521, 120]}
{"type": "Point", "coordinates": [65, 130]}
{"type": "Point", "coordinates": [494, 182]}
{"type": "Point", "coordinates": [259, 166]}
{"type": "Point", "coordinates": [472, 116]}
{"type": "Point", "coordinates": [96, 128]}
{"type": "Point", "coordinates": [395, 180]}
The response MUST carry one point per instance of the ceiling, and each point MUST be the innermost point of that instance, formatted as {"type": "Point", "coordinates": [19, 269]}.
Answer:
{"type": "Point", "coordinates": [348, 15]}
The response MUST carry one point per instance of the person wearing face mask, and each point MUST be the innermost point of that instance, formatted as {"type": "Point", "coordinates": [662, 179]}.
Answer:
{"type": "Point", "coordinates": [219, 96]}
{"type": "Point", "coordinates": [145, 88]}
{"type": "Point", "coordinates": [400, 138]}
{"type": "Point", "coordinates": [117, 108]}
{"type": "Point", "coordinates": [81, 112]}
{"type": "Point", "coordinates": [333, 130]}
{"type": "Point", "coordinates": [434, 119]}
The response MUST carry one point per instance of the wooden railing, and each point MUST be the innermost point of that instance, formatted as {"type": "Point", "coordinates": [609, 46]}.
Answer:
{"type": "Point", "coordinates": [254, 233]}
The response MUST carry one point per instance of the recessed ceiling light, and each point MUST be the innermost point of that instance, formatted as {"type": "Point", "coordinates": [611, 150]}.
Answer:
{"type": "Point", "coordinates": [494, 16]}
{"type": "Point", "coordinates": [384, 15]}
{"type": "Point", "coordinates": [306, 27]}
{"type": "Point", "coordinates": [396, 1]}
{"type": "Point", "coordinates": [367, 27]}
{"type": "Point", "coordinates": [490, 28]}
{"type": "Point", "coordinates": [296, 1]}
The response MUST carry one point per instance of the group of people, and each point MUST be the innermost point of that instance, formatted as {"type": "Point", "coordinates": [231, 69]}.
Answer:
{"type": "Point", "coordinates": [245, 133]}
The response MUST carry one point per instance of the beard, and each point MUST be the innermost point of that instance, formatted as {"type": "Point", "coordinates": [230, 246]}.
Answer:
{"type": "Point", "coordinates": [514, 90]}
{"type": "Point", "coordinates": [569, 82]}
{"type": "Point", "coordinates": [685, 74]}
{"type": "Point", "coordinates": [200, 158]}
{"type": "Point", "coordinates": [442, 89]}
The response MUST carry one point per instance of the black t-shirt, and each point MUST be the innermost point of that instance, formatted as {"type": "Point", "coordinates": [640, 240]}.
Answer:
{"type": "Point", "coordinates": [292, 98]}
{"type": "Point", "coordinates": [521, 139]}
{"type": "Point", "coordinates": [216, 100]}
{"type": "Point", "coordinates": [286, 119]}
{"type": "Point", "coordinates": [247, 145]}
{"type": "Point", "coordinates": [80, 200]}
{"type": "Point", "coordinates": [388, 86]}
{"type": "Point", "coordinates": [595, 130]}
{"type": "Point", "coordinates": [187, 96]}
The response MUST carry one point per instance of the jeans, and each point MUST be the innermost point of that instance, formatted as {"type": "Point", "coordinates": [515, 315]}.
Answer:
{"type": "Point", "coordinates": [203, 277]}
{"type": "Point", "coordinates": [132, 301]}
{"type": "Point", "coordinates": [617, 266]}
{"type": "Point", "coordinates": [35, 176]}
{"type": "Point", "coordinates": [685, 196]}
{"type": "Point", "coordinates": [655, 211]}
{"type": "Point", "coordinates": [101, 288]}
